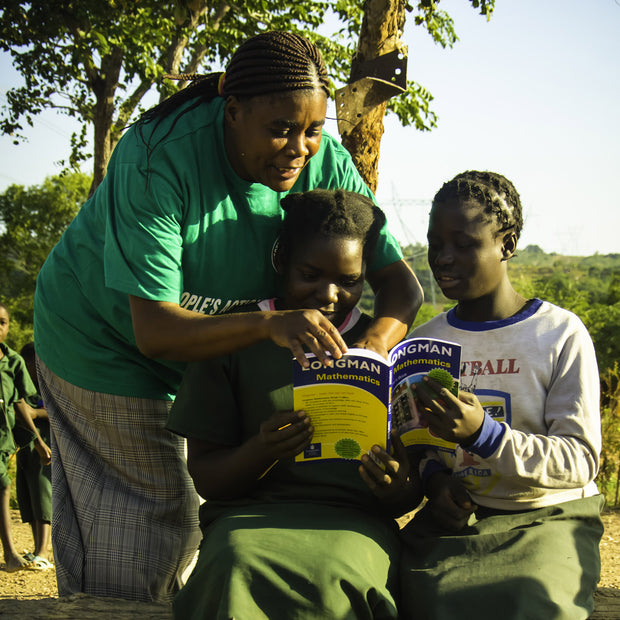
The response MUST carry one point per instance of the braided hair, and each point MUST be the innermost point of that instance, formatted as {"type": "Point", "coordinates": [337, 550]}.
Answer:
{"type": "Point", "coordinates": [493, 191]}
{"type": "Point", "coordinates": [271, 62]}
{"type": "Point", "coordinates": [329, 213]}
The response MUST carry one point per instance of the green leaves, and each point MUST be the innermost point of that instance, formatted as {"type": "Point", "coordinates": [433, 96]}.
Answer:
{"type": "Point", "coordinates": [413, 108]}
{"type": "Point", "coordinates": [77, 55]}
{"type": "Point", "coordinates": [31, 223]}
{"type": "Point", "coordinates": [438, 24]}
{"type": "Point", "coordinates": [486, 7]}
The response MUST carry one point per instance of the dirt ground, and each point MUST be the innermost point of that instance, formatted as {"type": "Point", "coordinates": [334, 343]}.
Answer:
{"type": "Point", "coordinates": [28, 585]}
{"type": "Point", "coordinates": [610, 550]}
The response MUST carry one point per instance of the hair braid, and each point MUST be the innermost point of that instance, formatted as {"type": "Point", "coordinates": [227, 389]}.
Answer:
{"type": "Point", "coordinates": [493, 191]}
{"type": "Point", "coordinates": [330, 213]}
{"type": "Point", "coordinates": [271, 62]}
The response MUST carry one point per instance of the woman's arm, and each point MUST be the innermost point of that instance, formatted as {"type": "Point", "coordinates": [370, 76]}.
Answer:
{"type": "Point", "coordinates": [398, 297]}
{"type": "Point", "coordinates": [164, 330]}
{"type": "Point", "coordinates": [225, 473]}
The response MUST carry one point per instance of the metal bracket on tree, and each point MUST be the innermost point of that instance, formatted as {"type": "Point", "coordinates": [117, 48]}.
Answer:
{"type": "Point", "coordinates": [372, 82]}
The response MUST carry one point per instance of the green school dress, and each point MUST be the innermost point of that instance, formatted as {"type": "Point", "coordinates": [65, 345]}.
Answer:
{"type": "Point", "coordinates": [310, 540]}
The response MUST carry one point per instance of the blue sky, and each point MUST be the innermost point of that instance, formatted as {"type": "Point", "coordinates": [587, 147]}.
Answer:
{"type": "Point", "coordinates": [533, 94]}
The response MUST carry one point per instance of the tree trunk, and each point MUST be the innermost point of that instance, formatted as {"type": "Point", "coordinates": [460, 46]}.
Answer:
{"type": "Point", "coordinates": [102, 150]}
{"type": "Point", "coordinates": [104, 89]}
{"type": "Point", "coordinates": [381, 30]}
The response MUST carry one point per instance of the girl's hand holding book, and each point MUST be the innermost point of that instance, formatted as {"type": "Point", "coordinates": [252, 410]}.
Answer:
{"type": "Point", "coordinates": [454, 419]}
{"type": "Point", "coordinates": [285, 434]}
{"type": "Point", "coordinates": [390, 476]}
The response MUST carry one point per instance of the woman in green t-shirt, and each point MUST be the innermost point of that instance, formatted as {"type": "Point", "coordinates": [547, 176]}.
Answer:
{"type": "Point", "coordinates": [180, 232]}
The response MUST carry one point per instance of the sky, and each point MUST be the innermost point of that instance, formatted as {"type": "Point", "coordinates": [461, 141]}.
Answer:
{"type": "Point", "coordinates": [533, 94]}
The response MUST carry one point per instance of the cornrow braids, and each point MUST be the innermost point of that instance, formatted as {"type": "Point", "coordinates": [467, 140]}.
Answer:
{"type": "Point", "coordinates": [493, 191]}
{"type": "Point", "coordinates": [270, 62]}
{"type": "Point", "coordinates": [330, 213]}
{"type": "Point", "coordinates": [275, 62]}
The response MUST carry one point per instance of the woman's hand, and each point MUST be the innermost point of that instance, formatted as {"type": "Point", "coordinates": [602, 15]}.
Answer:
{"type": "Point", "coordinates": [295, 329]}
{"type": "Point", "coordinates": [454, 419]}
{"type": "Point", "coordinates": [163, 330]}
{"type": "Point", "coordinates": [390, 477]}
{"type": "Point", "coordinates": [449, 502]}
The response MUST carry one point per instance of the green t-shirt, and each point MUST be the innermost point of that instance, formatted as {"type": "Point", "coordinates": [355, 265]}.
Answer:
{"type": "Point", "coordinates": [171, 222]}
{"type": "Point", "coordinates": [15, 384]}
{"type": "Point", "coordinates": [225, 400]}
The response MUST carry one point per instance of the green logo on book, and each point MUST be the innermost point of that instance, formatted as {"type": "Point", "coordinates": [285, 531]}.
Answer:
{"type": "Point", "coordinates": [445, 378]}
{"type": "Point", "coordinates": [347, 448]}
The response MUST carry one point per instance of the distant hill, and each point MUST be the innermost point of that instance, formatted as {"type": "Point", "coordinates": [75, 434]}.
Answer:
{"type": "Point", "coordinates": [534, 256]}
{"type": "Point", "coordinates": [589, 286]}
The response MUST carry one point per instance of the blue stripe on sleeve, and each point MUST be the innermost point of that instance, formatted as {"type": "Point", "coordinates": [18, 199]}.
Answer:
{"type": "Point", "coordinates": [489, 439]}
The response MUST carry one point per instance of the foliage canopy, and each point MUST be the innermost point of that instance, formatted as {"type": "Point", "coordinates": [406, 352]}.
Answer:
{"type": "Point", "coordinates": [31, 222]}
{"type": "Point", "coordinates": [95, 61]}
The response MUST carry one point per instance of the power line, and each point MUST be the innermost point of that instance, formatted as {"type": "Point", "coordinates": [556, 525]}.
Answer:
{"type": "Point", "coordinates": [397, 203]}
{"type": "Point", "coordinates": [41, 121]}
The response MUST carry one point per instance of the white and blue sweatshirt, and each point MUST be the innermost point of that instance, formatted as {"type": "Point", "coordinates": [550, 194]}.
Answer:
{"type": "Point", "coordinates": [536, 377]}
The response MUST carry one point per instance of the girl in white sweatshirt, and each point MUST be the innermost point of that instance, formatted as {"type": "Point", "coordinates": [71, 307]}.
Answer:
{"type": "Point", "coordinates": [512, 524]}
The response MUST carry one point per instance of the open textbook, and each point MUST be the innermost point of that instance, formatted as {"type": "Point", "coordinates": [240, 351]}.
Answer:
{"type": "Point", "coordinates": [354, 403]}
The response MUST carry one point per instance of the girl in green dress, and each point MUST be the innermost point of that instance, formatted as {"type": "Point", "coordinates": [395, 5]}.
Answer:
{"type": "Point", "coordinates": [284, 539]}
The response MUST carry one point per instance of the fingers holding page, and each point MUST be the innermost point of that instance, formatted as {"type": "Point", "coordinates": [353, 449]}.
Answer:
{"type": "Point", "coordinates": [325, 342]}
{"type": "Point", "coordinates": [456, 419]}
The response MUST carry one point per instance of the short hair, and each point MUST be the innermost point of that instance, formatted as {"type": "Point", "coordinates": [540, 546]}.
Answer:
{"type": "Point", "coordinates": [271, 62]}
{"type": "Point", "coordinates": [330, 213]}
{"type": "Point", "coordinates": [28, 351]}
{"type": "Point", "coordinates": [5, 308]}
{"type": "Point", "coordinates": [493, 191]}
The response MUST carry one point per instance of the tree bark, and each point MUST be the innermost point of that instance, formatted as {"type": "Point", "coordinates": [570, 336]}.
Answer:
{"type": "Point", "coordinates": [104, 88]}
{"type": "Point", "coordinates": [381, 30]}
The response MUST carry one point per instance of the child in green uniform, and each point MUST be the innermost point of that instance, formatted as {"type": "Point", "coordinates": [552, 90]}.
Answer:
{"type": "Point", "coordinates": [15, 386]}
{"type": "Point", "coordinates": [34, 479]}
{"type": "Point", "coordinates": [284, 539]}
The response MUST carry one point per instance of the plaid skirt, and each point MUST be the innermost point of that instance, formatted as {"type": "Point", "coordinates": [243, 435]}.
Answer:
{"type": "Point", "coordinates": [536, 564]}
{"type": "Point", "coordinates": [125, 511]}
